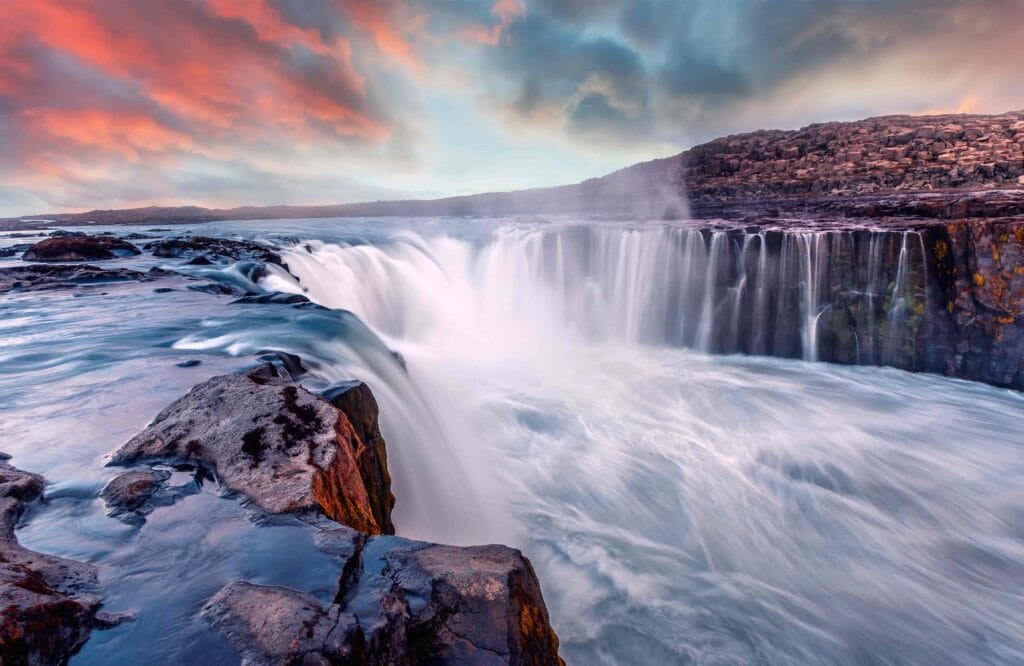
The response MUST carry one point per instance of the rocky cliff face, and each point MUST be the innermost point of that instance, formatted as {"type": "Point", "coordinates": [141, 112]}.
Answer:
{"type": "Point", "coordinates": [943, 297]}
{"type": "Point", "coordinates": [875, 155]}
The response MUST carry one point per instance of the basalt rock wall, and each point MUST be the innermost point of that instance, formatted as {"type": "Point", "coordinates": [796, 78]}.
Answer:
{"type": "Point", "coordinates": [943, 298]}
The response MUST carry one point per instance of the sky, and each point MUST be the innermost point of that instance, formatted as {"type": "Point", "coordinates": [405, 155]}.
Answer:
{"type": "Point", "coordinates": [122, 103]}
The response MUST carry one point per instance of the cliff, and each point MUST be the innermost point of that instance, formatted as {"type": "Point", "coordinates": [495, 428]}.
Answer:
{"type": "Point", "coordinates": [887, 154]}
{"type": "Point", "coordinates": [830, 166]}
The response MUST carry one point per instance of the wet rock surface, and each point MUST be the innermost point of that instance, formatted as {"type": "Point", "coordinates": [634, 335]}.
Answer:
{"type": "Point", "coordinates": [285, 364]}
{"type": "Point", "coordinates": [48, 604]}
{"type": "Point", "coordinates": [79, 248]}
{"type": "Point", "coordinates": [272, 298]}
{"type": "Point", "coordinates": [281, 447]}
{"type": "Point", "coordinates": [398, 602]}
{"type": "Point", "coordinates": [131, 496]}
{"type": "Point", "coordinates": [37, 277]}
{"type": "Point", "coordinates": [205, 250]}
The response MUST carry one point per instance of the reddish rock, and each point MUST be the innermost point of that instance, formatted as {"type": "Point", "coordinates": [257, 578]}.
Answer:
{"type": "Point", "coordinates": [356, 401]}
{"type": "Point", "coordinates": [283, 448]}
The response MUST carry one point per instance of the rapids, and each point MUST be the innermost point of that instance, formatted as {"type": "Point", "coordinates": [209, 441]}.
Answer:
{"type": "Point", "coordinates": [679, 506]}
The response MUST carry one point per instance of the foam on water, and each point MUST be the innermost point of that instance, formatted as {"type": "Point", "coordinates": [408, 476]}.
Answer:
{"type": "Point", "coordinates": [679, 507]}
{"type": "Point", "coordinates": [684, 507]}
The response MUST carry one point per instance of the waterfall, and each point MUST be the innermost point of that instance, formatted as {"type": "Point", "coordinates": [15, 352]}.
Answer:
{"type": "Point", "coordinates": [526, 288]}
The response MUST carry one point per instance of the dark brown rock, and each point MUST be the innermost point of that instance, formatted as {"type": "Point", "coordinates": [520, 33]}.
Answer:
{"type": "Point", "coordinates": [285, 449]}
{"type": "Point", "coordinates": [207, 250]}
{"type": "Point", "coordinates": [79, 248]}
{"type": "Point", "coordinates": [133, 495]}
{"type": "Point", "coordinates": [38, 277]}
{"type": "Point", "coordinates": [48, 604]}
{"type": "Point", "coordinates": [398, 602]}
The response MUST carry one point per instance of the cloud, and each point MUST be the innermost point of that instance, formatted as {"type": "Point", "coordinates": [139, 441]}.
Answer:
{"type": "Point", "coordinates": [123, 102]}
{"type": "Point", "coordinates": [702, 66]}
{"type": "Point", "coordinates": [159, 83]}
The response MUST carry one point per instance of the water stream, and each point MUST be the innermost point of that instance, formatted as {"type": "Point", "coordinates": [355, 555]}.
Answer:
{"type": "Point", "coordinates": [680, 506]}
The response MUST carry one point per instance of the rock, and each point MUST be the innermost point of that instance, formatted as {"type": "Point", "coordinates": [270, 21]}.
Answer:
{"type": "Point", "coordinates": [269, 625]}
{"type": "Point", "coordinates": [48, 604]}
{"type": "Point", "coordinates": [79, 248]}
{"type": "Point", "coordinates": [287, 365]}
{"type": "Point", "coordinates": [38, 277]}
{"type": "Point", "coordinates": [204, 250]}
{"type": "Point", "coordinates": [131, 496]}
{"type": "Point", "coordinates": [105, 620]}
{"type": "Point", "coordinates": [190, 363]}
{"type": "Point", "coordinates": [398, 602]}
{"type": "Point", "coordinates": [356, 401]}
{"type": "Point", "coordinates": [215, 288]}
{"type": "Point", "coordinates": [822, 166]}
{"type": "Point", "coordinates": [283, 448]}
{"type": "Point", "coordinates": [273, 297]}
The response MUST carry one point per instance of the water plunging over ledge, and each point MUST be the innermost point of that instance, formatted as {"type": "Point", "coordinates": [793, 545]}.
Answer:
{"type": "Point", "coordinates": [860, 297]}
{"type": "Point", "coordinates": [680, 506]}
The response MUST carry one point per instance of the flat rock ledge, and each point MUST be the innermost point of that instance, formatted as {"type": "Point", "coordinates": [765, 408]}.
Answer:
{"type": "Point", "coordinates": [42, 277]}
{"type": "Point", "coordinates": [284, 449]}
{"type": "Point", "coordinates": [398, 602]}
{"type": "Point", "coordinates": [48, 604]}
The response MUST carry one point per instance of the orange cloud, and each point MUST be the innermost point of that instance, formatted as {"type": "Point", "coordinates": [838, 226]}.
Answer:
{"type": "Point", "coordinates": [125, 134]}
{"type": "Point", "coordinates": [377, 19]}
{"type": "Point", "coordinates": [223, 69]}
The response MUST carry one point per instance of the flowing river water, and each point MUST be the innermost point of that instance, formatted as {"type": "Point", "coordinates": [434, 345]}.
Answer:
{"type": "Point", "coordinates": [679, 506]}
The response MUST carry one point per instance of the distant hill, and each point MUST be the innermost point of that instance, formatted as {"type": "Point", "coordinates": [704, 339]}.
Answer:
{"type": "Point", "coordinates": [818, 166]}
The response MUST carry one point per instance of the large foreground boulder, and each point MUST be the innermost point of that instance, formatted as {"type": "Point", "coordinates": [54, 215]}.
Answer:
{"type": "Point", "coordinates": [398, 602]}
{"type": "Point", "coordinates": [48, 604]}
{"type": "Point", "coordinates": [286, 450]}
{"type": "Point", "coordinates": [79, 248]}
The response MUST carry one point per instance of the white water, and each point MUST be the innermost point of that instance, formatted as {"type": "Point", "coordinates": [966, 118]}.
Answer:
{"type": "Point", "coordinates": [680, 507]}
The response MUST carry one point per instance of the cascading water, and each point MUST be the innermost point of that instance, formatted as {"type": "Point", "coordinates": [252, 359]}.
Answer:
{"type": "Point", "coordinates": [682, 509]}
{"type": "Point", "coordinates": [769, 292]}
{"type": "Point", "coordinates": [679, 506]}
